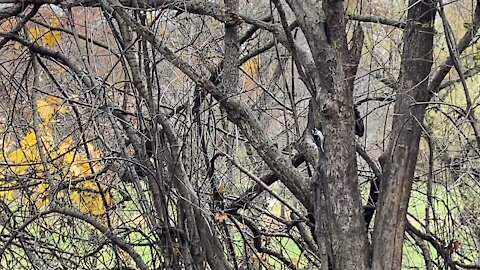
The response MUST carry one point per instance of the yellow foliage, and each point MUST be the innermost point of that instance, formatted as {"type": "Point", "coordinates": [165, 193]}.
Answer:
{"type": "Point", "coordinates": [78, 169]}
{"type": "Point", "coordinates": [65, 150]}
{"type": "Point", "coordinates": [81, 166]}
{"type": "Point", "coordinates": [40, 196]}
{"type": "Point", "coordinates": [53, 101]}
{"type": "Point", "coordinates": [51, 38]}
{"type": "Point", "coordinates": [60, 70]}
{"type": "Point", "coordinates": [89, 199]}
{"type": "Point", "coordinates": [46, 38]}
{"type": "Point", "coordinates": [18, 158]}
{"type": "Point", "coordinates": [29, 146]}
{"type": "Point", "coordinates": [29, 140]}
{"type": "Point", "coordinates": [35, 32]}
{"type": "Point", "coordinates": [55, 22]}
{"type": "Point", "coordinates": [276, 209]}
{"type": "Point", "coordinates": [5, 192]}
{"type": "Point", "coordinates": [64, 155]}
{"type": "Point", "coordinates": [69, 158]}
{"type": "Point", "coordinates": [48, 107]}
{"type": "Point", "coordinates": [251, 69]}
{"type": "Point", "coordinates": [94, 153]}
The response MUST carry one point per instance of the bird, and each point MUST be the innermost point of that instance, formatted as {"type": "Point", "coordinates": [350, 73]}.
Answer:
{"type": "Point", "coordinates": [319, 139]}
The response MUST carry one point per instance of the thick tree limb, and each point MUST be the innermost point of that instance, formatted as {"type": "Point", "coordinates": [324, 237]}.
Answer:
{"type": "Point", "coordinates": [399, 161]}
{"type": "Point", "coordinates": [338, 206]}
{"type": "Point", "coordinates": [377, 19]}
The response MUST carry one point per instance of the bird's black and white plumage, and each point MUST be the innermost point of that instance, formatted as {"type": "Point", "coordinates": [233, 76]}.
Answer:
{"type": "Point", "coordinates": [319, 139]}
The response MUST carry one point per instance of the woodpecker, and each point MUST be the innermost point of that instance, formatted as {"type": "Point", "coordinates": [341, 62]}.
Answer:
{"type": "Point", "coordinates": [319, 139]}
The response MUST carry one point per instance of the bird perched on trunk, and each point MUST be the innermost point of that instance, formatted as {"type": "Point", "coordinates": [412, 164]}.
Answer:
{"type": "Point", "coordinates": [307, 146]}
{"type": "Point", "coordinates": [319, 139]}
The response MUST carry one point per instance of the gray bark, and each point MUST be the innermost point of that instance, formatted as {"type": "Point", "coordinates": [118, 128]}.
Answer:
{"type": "Point", "coordinates": [399, 161]}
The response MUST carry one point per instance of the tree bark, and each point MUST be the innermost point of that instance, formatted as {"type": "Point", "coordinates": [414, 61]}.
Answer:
{"type": "Point", "coordinates": [399, 160]}
{"type": "Point", "coordinates": [338, 214]}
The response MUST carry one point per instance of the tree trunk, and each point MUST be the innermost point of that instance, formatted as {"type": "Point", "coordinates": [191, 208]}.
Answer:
{"type": "Point", "coordinates": [338, 211]}
{"type": "Point", "coordinates": [399, 160]}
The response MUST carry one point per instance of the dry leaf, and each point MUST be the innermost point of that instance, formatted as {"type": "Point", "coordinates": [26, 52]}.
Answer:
{"type": "Point", "coordinates": [220, 217]}
{"type": "Point", "coordinates": [221, 189]}
{"type": "Point", "coordinates": [453, 246]}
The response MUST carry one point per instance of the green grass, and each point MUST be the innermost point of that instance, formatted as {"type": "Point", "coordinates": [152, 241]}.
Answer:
{"type": "Point", "coordinates": [61, 235]}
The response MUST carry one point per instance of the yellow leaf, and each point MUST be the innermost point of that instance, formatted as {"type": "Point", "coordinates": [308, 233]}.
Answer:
{"type": "Point", "coordinates": [276, 208]}
{"type": "Point", "coordinates": [4, 190]}
{"type": "Point", "coordinates": [29, 140]}
{"type": "Point", "coordinates": [251, 68]}
{"type": "Point", "coordinates": [69, 157]}
{"type": "Point", "coordinates": [86, 169]}
{"type": "Point", "coordinates": [55, 22]}
{"type": "Point", "coordinates": [54, 101]}
{"type": "Point", "coordinates": [221, 189]}
{"type": "Point", "coordinates": [63, 109]}
{"type": "Point", "coordinates": [40, 196]}
{"type": "Point", "coordinates": [18, 47]}
{"type": "Point", "coordinates": [48, 107]}
{"type": "Point", "coordinates": [94, 153]}
{"type": "Point", "coordinates": [35, 32]}
{"type": "Point", "coordinates": [40, 169]}
{"type": "Point", "coordinates": [81, 166]}
{"type": "Point", "coordinates": [90, 201]}
{"type": "Point", "coordinates": [47, 140]}
{"type": "Point", "coordinates": [18, 157]}
{"type": "Point", "coordinates": [75, 170]}
{"type": "Point", "coordinates": [61, 70]}
{"type": "Point", "coordinates": [46, 111]}
{"type": "Point", "coordinates": [29, 152]}
{"type": "Point", "coordinates": [29, 147]}
{"type": "Point", "coordinates": [3, 171]}
{"type": "Point", "coordinates": [64, 150]}
{"type": "Point", "coordinates": [51, 38]}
